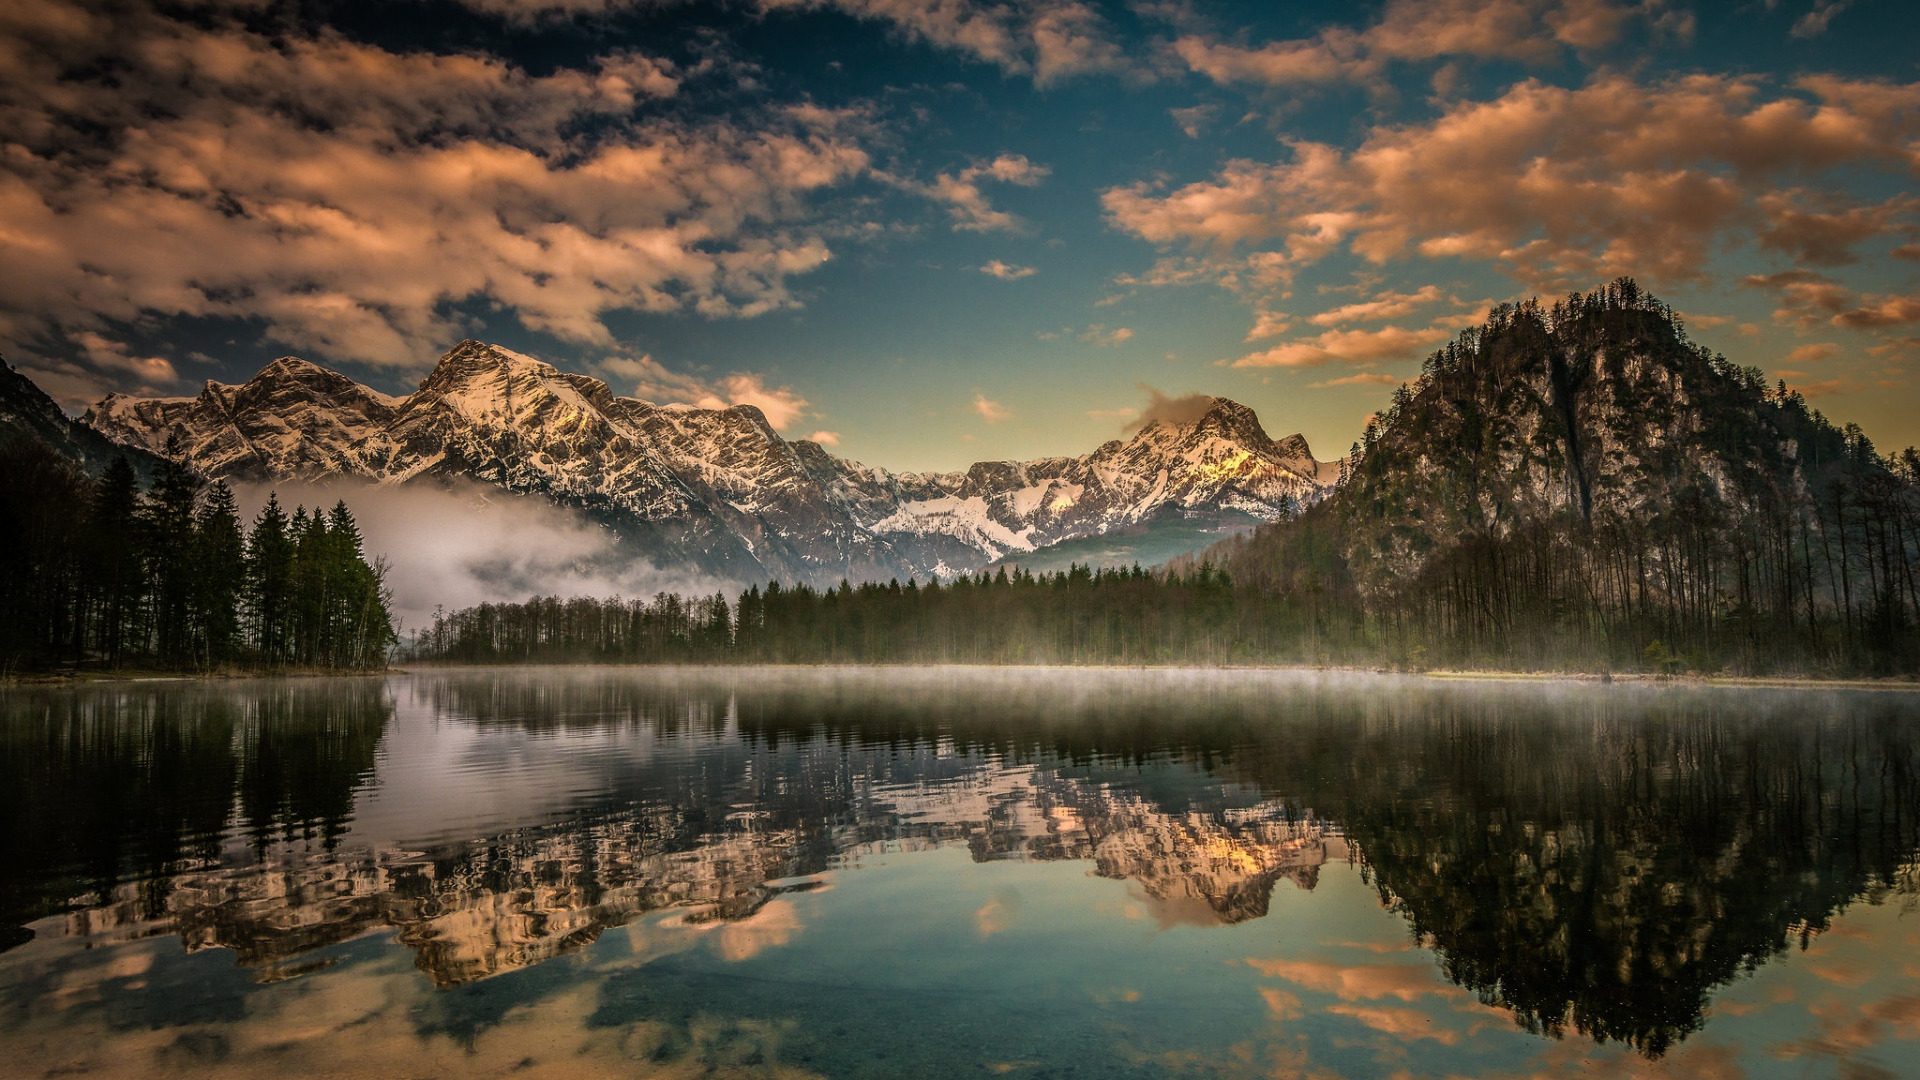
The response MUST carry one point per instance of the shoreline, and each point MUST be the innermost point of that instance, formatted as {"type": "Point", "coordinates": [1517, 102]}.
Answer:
{"type": "Point", "coordinates": [1586, 678]}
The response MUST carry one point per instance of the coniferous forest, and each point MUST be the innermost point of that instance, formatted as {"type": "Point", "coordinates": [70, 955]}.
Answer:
{"type": "Point", "coordinates": [1569, 486]}
{"type": "Point", "coordinates": [1573, 485]}
{"type": "Point", "coordinates": [106, 573]}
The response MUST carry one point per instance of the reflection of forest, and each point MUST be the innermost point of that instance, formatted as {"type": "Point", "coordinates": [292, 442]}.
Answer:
{"type": "Point", "coordinates": [1596, 861]}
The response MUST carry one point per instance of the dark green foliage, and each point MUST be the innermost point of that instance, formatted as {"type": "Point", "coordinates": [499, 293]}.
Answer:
{"type": "Point", "coordinates": [1581, 485]}
{"type": "Point", "coordinates": [1077, 617]}
{"type": "Point", "coordinates": [97, 574]}
{"type": "Point", "coordinates": [1573, 486]}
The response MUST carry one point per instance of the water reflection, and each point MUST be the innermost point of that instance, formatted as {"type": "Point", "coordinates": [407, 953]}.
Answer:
{"type": "Point", "coordinates": [1596, 861]}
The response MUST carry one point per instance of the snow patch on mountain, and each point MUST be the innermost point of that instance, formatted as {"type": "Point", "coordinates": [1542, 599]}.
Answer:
{"type": "Point", "coordinates": [718, 490]}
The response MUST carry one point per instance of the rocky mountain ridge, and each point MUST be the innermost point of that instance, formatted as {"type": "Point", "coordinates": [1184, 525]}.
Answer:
{"type": "Point", "coordinates": [714, 490]}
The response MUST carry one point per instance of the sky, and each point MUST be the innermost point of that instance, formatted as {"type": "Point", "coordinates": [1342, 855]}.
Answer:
{"type": "Point", "coordinates": [928, 232]}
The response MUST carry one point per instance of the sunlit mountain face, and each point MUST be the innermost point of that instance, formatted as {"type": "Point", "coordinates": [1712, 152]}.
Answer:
{"type": "Point", "coordinates": [810, 872]}
{"type": "Point", "coordinates": [928, 234]}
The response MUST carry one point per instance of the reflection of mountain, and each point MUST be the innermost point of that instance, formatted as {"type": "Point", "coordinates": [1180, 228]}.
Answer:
{"type": "Point", "coordinates": [111, 785]}
{"type": "Point", "coordinates": [710, 839]}
{"type": "Point", "coordinates": [1608, 883]}
{"type": "Point", "coordinates": [1595, 861]}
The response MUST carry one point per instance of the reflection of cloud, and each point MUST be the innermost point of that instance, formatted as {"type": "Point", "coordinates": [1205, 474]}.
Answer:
{"type": "Point", "coordinates": [998, 914]}
{"type": "Point", "coordinates": [1358, 982]}
{"type": "Point", "coordinates": [773, 925]}
{"type": "Point", "coordinates": [1400, 1023]}
{"type": "Point", "coordinates": [1282, 1005]}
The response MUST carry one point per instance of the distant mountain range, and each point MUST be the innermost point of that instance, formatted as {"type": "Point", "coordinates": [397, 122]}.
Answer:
{"type": "Point", "coordinates": [716, 491]}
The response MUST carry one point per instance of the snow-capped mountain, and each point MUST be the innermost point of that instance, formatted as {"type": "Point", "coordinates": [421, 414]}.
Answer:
{"type": "Point", "coordinates": [714, 489]}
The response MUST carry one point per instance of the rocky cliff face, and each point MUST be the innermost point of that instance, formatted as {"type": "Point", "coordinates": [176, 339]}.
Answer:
{"type": "Point", "coordinates": [716, 490]}
{"type": "Point", "coordinates": [27, 412]}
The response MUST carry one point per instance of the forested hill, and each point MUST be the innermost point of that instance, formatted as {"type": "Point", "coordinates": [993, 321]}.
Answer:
{"type": "Point", "coordinates": [1581, 483]}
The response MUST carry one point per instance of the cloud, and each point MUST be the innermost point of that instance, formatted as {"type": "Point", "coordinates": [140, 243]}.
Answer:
{"type": "Point", "coordinates": [1346, 346]}
{"type": "Point", "coordinates": [1097, 334]}
{"type": "Point", "coordinates": [1879, 311]}
{"type": "Point", "coordinates": [1124, 412]}
{"type": "Point", "coordinates": [1811, 354]}
{"type": "Point", "coordinates": [967, 205]}
{"type": "Point", "coordinates": [1555, 186]}
{"type": "Point", "coordinates": [345, 196]}
{"type": "Point", "coordinates": [653, 381]}
{"type": "Point", "coordinates": [1194, 120]}
{"type": "Point", "coordinates": [1524, 31]}
{"type": "Point", "coordinates": [1386, 305]}
{"type": "Point", "coordinates": [1172, 411]}
{"type": "Point", "coordinates": [1815, 22]}
{"type": "Point", "coordinates": [1049, 40]}
{"type": "Point", "coordinates": [825, 438]}
{"type": "Point", "coordinates": [466, 544]}
{"type": "Point", "coordinates": [1365, 378]}
{"type": "Point", "coordinates": [1823, 237]}
{"type": "Point", "coordinates": [991, 411]}
{"type": "Point", "coordinates": [1808, 299]}
{"type": "Point", "coordinates": [1268, 324]}
{"type": "Point", "coordinates": [1007, 271]}
{"type": "Point", "coordinates": [781, 405]}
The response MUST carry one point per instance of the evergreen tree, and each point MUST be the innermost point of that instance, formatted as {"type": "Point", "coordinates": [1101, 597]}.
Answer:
{"type": "Point", "coordinates": [220, 572]}
{"type": "Point", "coordinates": [167, 544]}
{"type": "Point", "coordinates": [112, 558]}
{"type": "Point", "coordinates": [269, 589]}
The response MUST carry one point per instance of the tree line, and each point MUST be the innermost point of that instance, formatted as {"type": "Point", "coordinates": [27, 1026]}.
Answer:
{"type": "Point", "coordinates": [103, 574]}
{"type": "Point", "coordinates": [1077, 616]}
{"type": "Point", "coordinates": [1569, 485]}
{"type": "Point", "coordinates": [1579, 484]}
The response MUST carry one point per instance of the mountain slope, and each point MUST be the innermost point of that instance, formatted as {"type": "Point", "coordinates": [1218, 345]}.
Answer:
{"type": "Point", "coordinates": [1581, 481]}
{"type": "Point", "coordinates": [26, 411]}
{"type": "Point", "coordinates": [717, 490]}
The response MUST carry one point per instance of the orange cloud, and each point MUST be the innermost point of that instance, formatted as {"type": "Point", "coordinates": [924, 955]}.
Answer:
{"type": "Point", "coordinates": [1409, 1024]}
{"type": "Point", "coordinates": [1346, 346]}
{"type": "Point", "coordinates": [1527, 31]}
{"type": "Point", "coordinates": [1049, 40]}
{"type": "Point", "coordinates": [1551, 184]}
{"type": "Point", "coordinates": [1365, 378]}
{"type": "Point", "coordinates": [989, 410]}
{"type": "Point", "coordinates": [205, 188]}
{"type": "Point", "coordinates": [1359, 982]}
{"type": "Point", "coordinates": [1387, 305]}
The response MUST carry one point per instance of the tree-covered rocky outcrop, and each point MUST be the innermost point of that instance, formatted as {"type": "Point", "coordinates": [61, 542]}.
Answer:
{"type": "Point", "coordinates": [1579, 483]}
{"type": "Point", "coordinates": [1574, 485]}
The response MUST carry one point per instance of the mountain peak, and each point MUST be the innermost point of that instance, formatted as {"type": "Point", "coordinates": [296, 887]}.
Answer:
{"type": "Point", "coordinates": [292, 367]}
{"type": "Point", "coordinates": [1235, 420]}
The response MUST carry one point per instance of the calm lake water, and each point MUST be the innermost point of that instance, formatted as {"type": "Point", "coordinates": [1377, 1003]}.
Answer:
{"type": "Point", "coordinates": [957, 873]}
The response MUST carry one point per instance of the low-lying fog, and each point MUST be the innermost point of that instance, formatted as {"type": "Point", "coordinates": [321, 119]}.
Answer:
{"type": "Point", "coordinates": [466, 544]}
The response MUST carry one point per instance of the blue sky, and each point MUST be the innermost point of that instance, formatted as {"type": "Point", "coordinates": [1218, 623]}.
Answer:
{"type": "Point", "coordinates": [941, 231]}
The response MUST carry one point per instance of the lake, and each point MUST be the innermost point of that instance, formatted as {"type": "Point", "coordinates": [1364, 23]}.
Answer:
{"type": "Point", "coordinates": [957, 873]}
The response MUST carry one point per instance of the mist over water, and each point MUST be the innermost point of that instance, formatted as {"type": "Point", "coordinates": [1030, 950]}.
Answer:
{"type": "Point", "coordinates": [951, 872]}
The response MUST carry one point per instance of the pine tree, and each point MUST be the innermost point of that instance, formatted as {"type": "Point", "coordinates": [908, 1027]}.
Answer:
{"type": "Point", "coordinates": [167, 543]}
{"type": "Point", "coordinates": [269, 593]}
{"type": "Point", "coordinates": [219, 574]}
{"type": "Point", "coordinates": [112, 559]}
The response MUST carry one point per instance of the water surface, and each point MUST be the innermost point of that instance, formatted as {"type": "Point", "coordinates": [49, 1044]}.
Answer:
{"type": "Point", "coordinates": [957, 873]}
